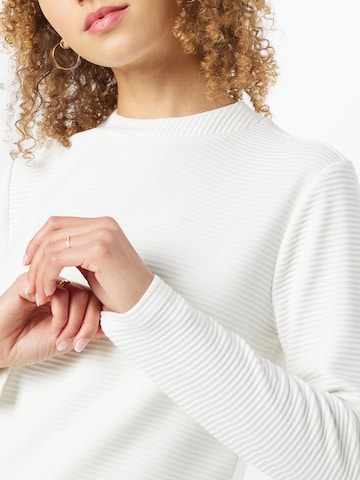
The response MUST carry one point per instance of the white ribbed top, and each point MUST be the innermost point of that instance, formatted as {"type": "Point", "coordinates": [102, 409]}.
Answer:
{"type": "Point", "coordinates": [245, 348]}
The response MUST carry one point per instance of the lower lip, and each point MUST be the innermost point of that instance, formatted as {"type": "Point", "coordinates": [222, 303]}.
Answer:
{"type": "Point", "coordinates": [106, 23]}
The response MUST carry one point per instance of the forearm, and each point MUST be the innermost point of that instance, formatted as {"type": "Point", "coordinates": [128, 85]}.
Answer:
{"type": "Point", "coordinates": [256, 409]}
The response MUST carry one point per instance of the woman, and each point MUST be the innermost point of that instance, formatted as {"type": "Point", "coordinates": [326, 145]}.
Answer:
{"type": "Point", "coordinates": [211, 259]}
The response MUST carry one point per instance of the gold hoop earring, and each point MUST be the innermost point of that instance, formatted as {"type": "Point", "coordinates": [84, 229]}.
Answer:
{"type": "Point", "coordinates": [61, 44]}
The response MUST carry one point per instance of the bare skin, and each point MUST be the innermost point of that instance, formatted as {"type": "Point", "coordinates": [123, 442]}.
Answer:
{"type": "Point", "coordinates": [101, 251]}
{"type": "Point", "coordinates": [30, 334]}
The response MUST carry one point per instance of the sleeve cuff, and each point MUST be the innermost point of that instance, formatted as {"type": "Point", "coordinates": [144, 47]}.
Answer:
{"type": "Point", "coordinates": [153, 305]}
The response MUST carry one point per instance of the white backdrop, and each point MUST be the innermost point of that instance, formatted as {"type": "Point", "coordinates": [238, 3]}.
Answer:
{"type": "Point", "coordinates": [316, 96]}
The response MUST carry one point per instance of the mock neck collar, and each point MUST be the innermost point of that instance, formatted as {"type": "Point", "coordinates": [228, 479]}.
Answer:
{"type": "Point", "coordinates": [234, 117]}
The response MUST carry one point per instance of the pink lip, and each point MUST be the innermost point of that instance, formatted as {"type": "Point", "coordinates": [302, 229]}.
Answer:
{"type": "Point", "coordinates": [103, 19]}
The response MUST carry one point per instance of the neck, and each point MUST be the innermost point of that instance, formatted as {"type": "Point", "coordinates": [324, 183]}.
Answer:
{"type": "Point", "coordinates": [172, 88]}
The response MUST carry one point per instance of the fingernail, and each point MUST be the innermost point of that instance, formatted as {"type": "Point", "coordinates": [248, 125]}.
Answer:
{"type": "Point", "coordinates": [37, 299]}
{"type": "Point", "coordinates": [81, 344]}
{"type": "Point", "coordinates": [55, 334]}
{"type": "Point", "coordinates": [25, 259]}
{"type": "Point", "coordinates": [46, 293]}
{"type": "Point", "coordinates": [63, 344]}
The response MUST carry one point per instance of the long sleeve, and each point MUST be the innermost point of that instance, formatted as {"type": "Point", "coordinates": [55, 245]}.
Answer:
{"type": "Point", "coordinates": [299, 421]}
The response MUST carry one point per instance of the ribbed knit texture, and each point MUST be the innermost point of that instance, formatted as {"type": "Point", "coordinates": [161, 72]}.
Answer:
{"type": "Point", "coordinates": [246, 346]}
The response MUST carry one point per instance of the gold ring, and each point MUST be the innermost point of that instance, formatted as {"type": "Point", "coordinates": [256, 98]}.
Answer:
{"type": "Point", "coordinates": [67, 242]}
{"type": "Point", "coordinates": [62, 283]}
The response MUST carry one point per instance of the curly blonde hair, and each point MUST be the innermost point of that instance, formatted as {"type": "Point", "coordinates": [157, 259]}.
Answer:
{"type": "Point", "coordinates": [228, 35]}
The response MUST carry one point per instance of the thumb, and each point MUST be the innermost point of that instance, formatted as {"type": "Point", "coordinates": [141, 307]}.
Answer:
{"type": "Point", "coordinates": [16, 300]}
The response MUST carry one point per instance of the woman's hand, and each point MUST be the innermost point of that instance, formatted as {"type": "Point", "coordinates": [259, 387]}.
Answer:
{"type": "Point", "coordinates": [30, 334]}
{"type": "Point", "coordinates": [76, 316]}
{"type": "Point", "coordinates": [100, 250]}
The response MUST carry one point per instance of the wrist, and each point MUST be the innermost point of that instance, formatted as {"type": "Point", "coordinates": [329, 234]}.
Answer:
{"type": "Point", "coordinates": [137, 288]}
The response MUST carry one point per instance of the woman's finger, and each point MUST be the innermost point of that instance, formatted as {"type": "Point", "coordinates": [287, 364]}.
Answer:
{"type": "Point", "coordinates": [115, 272]}
{"type": "Point", "coordinates": [78, 302]}
{"type": "Point", "coordinates": [48, 263]}
{"type": "Point", "coordinates": [90, 326]}
{"type": "Point", "coordinates": [59, 310]}
{"type": "Point", "coordinates": [52, 225]}
{"type": "Point", "coordinates": [83, 249]}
